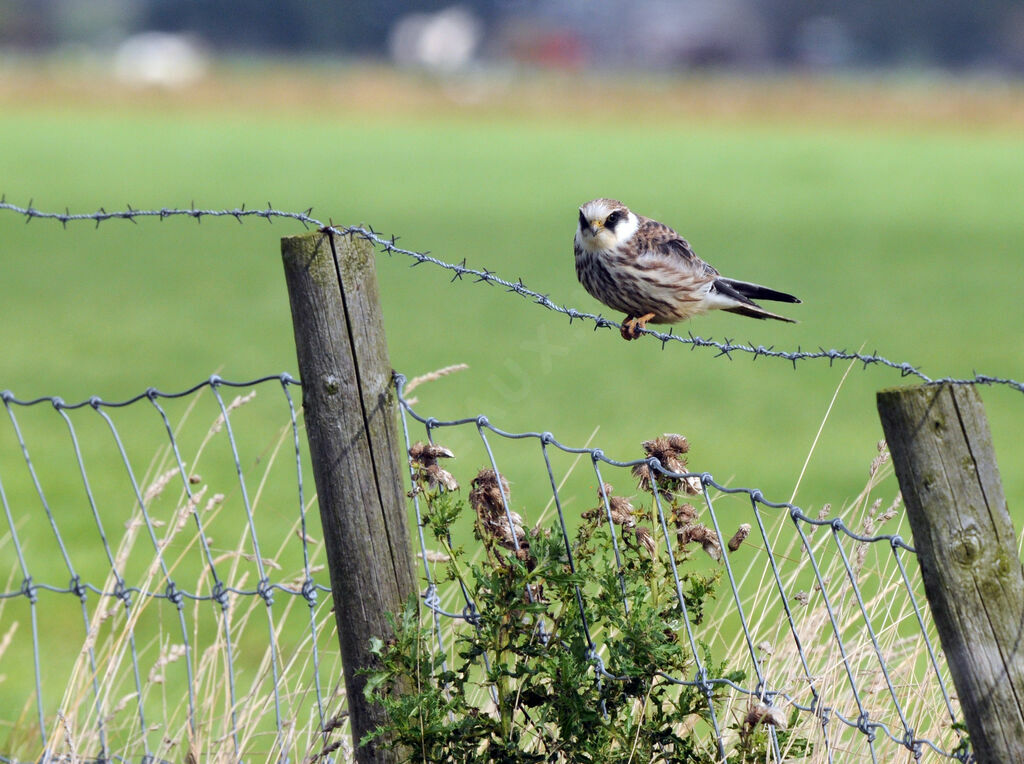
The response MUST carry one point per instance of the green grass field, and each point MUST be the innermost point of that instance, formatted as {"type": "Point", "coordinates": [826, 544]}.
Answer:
{"type": "Point", "coordinates": [901, 238]}
{"type": "Point", "coordinates": [898, 240]}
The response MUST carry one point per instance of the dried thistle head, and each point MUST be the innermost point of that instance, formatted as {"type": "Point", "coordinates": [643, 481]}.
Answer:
{"type": "Point", "coordinates": [688, 531]}
{"type": "Point", "coordinates": [683, 515]}
{"type": "Point", "coordinates": [485, 496]}
{"type": "Point", "coordinates": [438, 476]}
{"type": "Point", "coordinates": [508, 536]}
{"type": "Point", "coordinates": [709, 542]}
{"type": "Point", "coordinates": [739, 537]}
{"type": "Point", "coordinates": [693, 485]}
{"type": "Point", "coordinates": [764, 713]}
{"type": "Point", "coordinates": [621, 508]}
{"type": "Point", "coordinates": [621, 511]}
{"type": "Point", "coordinates": [669, 450]}
{"type": "Point", "coordinates": [646, 538]}
{"type": "Point", "coordinates": [424, 458]}
{"type": "Point", "coordinates": [623, 514]}
{"type": "Point", "coordinates": [485, 493]}
{"type": "Point", "coordinates": [428, 453]}
{"type": "Point", "coordinates": [642, 473]}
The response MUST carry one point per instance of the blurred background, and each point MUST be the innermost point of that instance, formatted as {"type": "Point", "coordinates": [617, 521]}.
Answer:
{"type": "Point", "coordinates": [868, 158]}
{"type": "Point", "coordinates": [752, 35]}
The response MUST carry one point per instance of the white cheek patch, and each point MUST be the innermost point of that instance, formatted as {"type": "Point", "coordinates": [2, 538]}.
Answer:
{"type": "Point", "coordinates": [624, 231]}
{"type": "Point", "coordinates": [605, 239]}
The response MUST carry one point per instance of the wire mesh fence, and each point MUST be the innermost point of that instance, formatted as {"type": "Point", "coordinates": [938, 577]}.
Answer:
{"type": "Point", "coordinates": [167, 597]}
{"type": "Point", "coordinates": [182, 605]}
{"type": "Point", "coordinates": [824, 621]}
{"type": "Point", "coordinates": [132, 607]}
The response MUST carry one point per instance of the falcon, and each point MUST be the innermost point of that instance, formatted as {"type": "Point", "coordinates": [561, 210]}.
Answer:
{"type": "Point", "coordinates": [649, 272]}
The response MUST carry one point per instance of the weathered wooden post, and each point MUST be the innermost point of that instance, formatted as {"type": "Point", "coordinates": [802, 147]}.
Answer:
{"type": "Point", "coordinates": [943, 456]}
{"type": "Point", "coordinates": [349, 409]}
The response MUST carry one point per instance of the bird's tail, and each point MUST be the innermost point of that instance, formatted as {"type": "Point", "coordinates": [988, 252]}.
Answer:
{"type": "Point", "coordinates": [756, 311]}
{"type": "Point", "coordinates": [754, 291]}
{"type": "Point", "coordinates": [742, 294]}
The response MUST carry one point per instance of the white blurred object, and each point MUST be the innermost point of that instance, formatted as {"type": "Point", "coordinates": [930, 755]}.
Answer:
{"type": "Point", "coordinates": [160, 59]}
{"type": "Point", "coordinates": [444, 41]}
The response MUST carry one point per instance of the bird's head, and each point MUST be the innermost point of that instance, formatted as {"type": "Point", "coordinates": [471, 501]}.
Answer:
{"type": "Point", "coordinates": [605, 224]}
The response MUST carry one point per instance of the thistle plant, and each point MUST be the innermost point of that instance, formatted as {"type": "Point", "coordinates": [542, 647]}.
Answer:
{"type": "Point", "coordinates": [571, 649]}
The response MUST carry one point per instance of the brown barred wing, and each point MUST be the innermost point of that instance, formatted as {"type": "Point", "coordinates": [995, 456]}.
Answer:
{"type": "Point", "coordinates": [653, 236]}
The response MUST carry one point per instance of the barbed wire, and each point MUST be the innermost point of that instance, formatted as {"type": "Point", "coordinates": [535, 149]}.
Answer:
{"type": "Point", "coordinates": [388, 244]}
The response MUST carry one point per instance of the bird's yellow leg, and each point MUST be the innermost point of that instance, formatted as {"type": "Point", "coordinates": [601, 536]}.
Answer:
{"type": "Point", "coordinates": [631, 326]}
{"type": "Point", "coordinates": [641, 323]}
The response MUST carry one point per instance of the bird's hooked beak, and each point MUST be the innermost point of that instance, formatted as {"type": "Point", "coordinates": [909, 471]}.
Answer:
{"type": "Point", "coordinates": [585, 225]}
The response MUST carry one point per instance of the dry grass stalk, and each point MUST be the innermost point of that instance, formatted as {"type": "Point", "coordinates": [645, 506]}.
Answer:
{"type": "Point", "coordinates": [892, 618]}
{"type": "Point", "coordinates": [157, 486]}
{"type": "Point", "coordinates": [432, 556]}
{"type": "Point", "coordinates": [433, 376]}
{"type": "Point", "coordinates": [237, 402]}
{"type": "Point", "coordinates": [168, 654]}
{"type": "Point", "coordinates": [108, 646]}
{"type": "Point", "coordinates": [8, 636]}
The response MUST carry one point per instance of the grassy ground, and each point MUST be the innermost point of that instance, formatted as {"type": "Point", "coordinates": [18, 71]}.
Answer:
{"type": "Point", "coordinates": [892, 209]}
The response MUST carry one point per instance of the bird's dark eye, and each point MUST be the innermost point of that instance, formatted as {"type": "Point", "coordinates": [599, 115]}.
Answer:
{"type": "Point", "coordinates": [583, 220]}
{"type": "Point", "coordinates": [613, 219]}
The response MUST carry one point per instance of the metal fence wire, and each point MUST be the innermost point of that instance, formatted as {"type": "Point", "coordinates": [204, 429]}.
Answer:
{"type": "Point", "coordinates": [169, 566]}
{"type": "Point", "coordinates": [166, 596]}
{"type": "Point", "coordinates": [844, 643]}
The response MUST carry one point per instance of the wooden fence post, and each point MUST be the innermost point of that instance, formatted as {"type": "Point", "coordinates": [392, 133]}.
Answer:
{"type": "Point", "coordinates": [967, 548]}
{"type": "Point", "coordinates": [349, 409]}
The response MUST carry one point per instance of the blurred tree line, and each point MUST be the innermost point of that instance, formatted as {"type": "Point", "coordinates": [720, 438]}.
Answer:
{"type": "Point", "coordinates": [954, 34]}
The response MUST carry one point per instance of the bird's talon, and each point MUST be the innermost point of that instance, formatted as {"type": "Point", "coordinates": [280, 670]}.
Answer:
{"type": "Point", "coordinates": [631, 326]}
{"type": "Point", "coordinates": [641, 323]}
{"type": "Point", "coordinates": [628, 329]}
